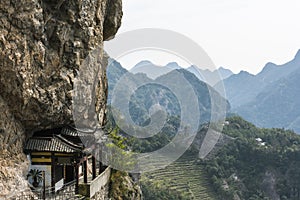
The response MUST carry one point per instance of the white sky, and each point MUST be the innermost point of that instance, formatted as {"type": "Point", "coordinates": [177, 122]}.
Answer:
{"type": "Point", "coordinates": [236, 34]}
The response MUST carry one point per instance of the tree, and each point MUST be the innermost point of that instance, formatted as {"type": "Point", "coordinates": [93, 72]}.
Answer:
{"type": "Point", "coordinates": [36, 175]}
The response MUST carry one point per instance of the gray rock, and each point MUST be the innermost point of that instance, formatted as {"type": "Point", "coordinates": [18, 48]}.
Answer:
{"type": "Point", "coordinates": [44, 44]}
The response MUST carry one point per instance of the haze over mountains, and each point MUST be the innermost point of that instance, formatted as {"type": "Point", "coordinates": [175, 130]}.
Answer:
{"type": "Point", "coordinates": [210, 77]}
{"type": "Point", "coordinates": [243, 87]}
{"type": "Point", "coordinates": [270, 98]}
{"type": "Point", "coordinates": [151, 94]}
{"type": "Point", "coordinates": [261, 158]}
{"type": "Point", "coordinates": [154, 71]}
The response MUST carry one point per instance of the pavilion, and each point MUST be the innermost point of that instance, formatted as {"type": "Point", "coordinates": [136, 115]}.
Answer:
{"type": "Point", "coordinates": [61, 154]}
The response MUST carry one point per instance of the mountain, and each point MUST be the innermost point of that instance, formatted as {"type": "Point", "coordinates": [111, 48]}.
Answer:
{"type": "Point", "coordinates": [268, 99]}
{"type": "Point", "coordinates": [204, 92]}
{"type": "Point", "coordinates": [244, 87]}
{"type": "Point", "coordinates": [247, 163]}
{"type": "Point", "coordinates": [208, 76]}
{"type": "Point", "coordinates": [153, 71]}
{"type": "Point", "coordinates": [150, 95]}
{"type": "Point", "coordinates": [240, 88]}
{"type": "Point", "coordinates": [173, 65]}
{"type": "Point", "coordinates": [277, 105]}
{"type": "Point", "coordinates": [257, 164]}
{"type": "Point", "coordinates": [224, 73]}
{"type": "Point", "coordinates": [114, 72]}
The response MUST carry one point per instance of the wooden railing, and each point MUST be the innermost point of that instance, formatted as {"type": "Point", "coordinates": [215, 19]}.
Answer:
{"type": "Point", "coordinates": [91, 188]}
{"type": "Point", "coordinates": [66, 192]}
{"type": "Point", "coordinates": [100, 182]}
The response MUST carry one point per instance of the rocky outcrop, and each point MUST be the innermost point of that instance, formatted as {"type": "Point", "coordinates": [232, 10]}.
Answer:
{"type": "Point", "coordinates": [123, 187]}
{"type": "Point", "coordinates": [102, 194]}
{"type": "Point", "coordinates": [44, 45]}
{"type": "Point", "coordinates": [13, 163]}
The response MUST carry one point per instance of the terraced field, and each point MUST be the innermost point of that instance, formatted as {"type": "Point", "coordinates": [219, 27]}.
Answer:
{"type": "Point", "coordinates": [185, 176]}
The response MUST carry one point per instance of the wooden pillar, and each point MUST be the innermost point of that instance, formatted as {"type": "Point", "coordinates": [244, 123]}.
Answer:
{"type": "Point", "coordinates": [65, 173]}
{"type": "Point", "coordinates": [44, 185]}
{"type": "Point", "coordinates": [100, 167]}
{"type": "Point", "coordinates": [100, 159]}
{"type": "Point", "coordinates": [103, 168]}
{"type": "Point", "coordinates": [85, 176]}
{"type": "Point", "coordinates": [94, 167]}
{"type": "Point", "coordinates": [77, 178]}
{"type": "Point", "coordinates": [53, 172]}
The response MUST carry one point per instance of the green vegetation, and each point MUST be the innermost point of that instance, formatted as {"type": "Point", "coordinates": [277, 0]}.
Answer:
{"type": "Point", "coordinates": [139, 145]}
{"type": "Point", "coordinates": [159, 140]}
{"type": "Point", "coordinates": [149, 95]}
{"type": "Point", "coordinates": [119, 155]}
{"type": "Point", "coordinates": [121, 185]}
{"type": "Point", "coordinates": [258, 164]}
{"type": "Point", "coordinates": [160, 191]}
{"type": "Point", "coordinates": [184, 179]}
{"type": "Point", "coordinates": [249, 163]}
{"type": "Point", "coordinates": [253, 164]}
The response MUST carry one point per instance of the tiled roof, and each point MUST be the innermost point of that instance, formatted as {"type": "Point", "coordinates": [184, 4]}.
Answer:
{"type": "Point", "coordinates": [64, 139]}
{"type": "Point", "coordinates": [70, 132]}
{"type": "Point", "coordinates": [76, 133]}
{"type": "Point", "coordinates": [51, 144]}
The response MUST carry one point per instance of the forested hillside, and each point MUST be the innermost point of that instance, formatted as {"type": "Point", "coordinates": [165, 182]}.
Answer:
{"type": "Point", "coordinates": [257, 164]}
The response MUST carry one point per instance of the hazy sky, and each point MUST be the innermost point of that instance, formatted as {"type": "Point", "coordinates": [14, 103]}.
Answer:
{"type": "Point", "coordinates": [236, 34]}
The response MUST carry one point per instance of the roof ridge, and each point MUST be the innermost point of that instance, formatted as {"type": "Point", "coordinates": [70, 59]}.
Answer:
{"type": "Point", "coordinates": [60, 137]}
{"type": "Point", "coordinates": [90, 131]}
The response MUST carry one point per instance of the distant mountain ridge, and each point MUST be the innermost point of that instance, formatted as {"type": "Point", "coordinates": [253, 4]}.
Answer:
{"type": "Point", "coordinates": [269, 99]}
{"type": "Point", "coordinates": [154, 71]}
{"type": "Point", "coordinates": [244, 87]}
{"type": "Point", "coordinates": [210, 77]}
{"type": "Point", "coordinates": [278, 105]}
{"type": "Point", "coordinates": [145, 97]}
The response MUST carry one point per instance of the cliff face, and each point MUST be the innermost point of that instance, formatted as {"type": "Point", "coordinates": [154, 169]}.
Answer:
{"type": "Point", "coordinates": [43, 47]}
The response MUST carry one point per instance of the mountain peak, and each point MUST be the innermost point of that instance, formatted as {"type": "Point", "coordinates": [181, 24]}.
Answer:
{"type": "Point", "coordinates": [173, 65]}
{"type": "Point", "coordinates": [297, 56]}
{"type": "Point", "coordinates": [224, 70]}
{"type": "Point", "coordinates": [270, 65]}
{"type": "Point", "coordinates": [244, 72]}
{"type": "Point", "coordinates": [267, 68]}
{"type": "Point", "coordinates": [243, 75]}
{"type": "Point", "coordinates": [143, 63]}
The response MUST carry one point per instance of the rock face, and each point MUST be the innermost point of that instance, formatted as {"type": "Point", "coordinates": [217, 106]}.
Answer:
{"type": "Point", "coordinates": [44, 44]}
{"type": "Point", "coordinates": [13, 163]}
